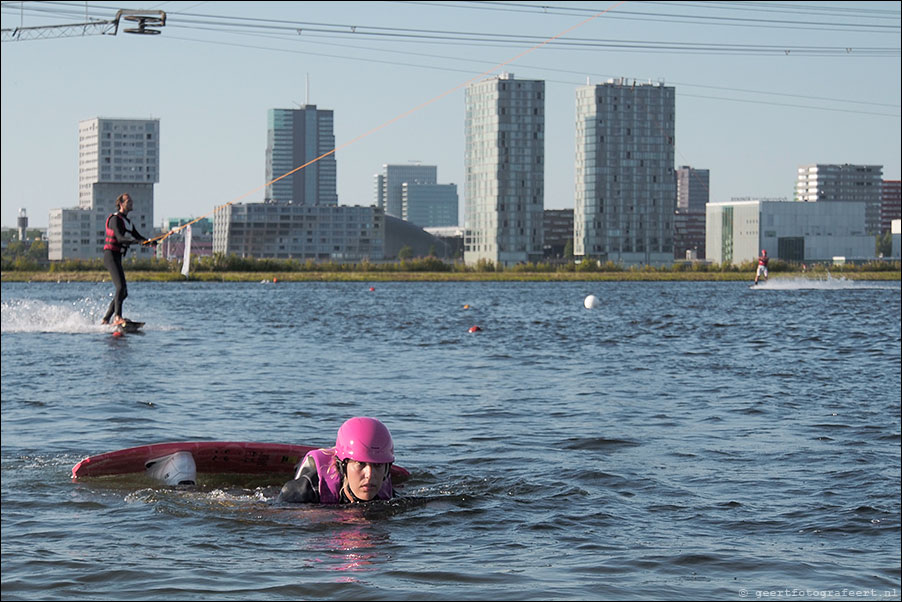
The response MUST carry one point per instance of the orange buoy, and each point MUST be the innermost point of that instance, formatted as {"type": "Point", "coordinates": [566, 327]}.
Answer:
{"type": "Point", "coordinates": [275, 279]}
{"type": "Point", "coordinates": [118, 333]}
{"type": "Point", "coordinates": [466, 307]}
{"type": "Point", "coordinates": [475, 329]}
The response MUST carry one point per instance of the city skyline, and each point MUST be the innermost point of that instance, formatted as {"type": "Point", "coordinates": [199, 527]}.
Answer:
{"type": "Point", "coordinates": [751, 115]}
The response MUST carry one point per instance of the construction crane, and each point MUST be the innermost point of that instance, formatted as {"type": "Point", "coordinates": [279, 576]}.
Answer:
{"type": "Point", "coordinates": [144, 23]}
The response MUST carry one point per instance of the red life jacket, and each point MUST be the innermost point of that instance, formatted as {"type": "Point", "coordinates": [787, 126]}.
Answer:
{"type": "Point", "coordinates": [110, 242]}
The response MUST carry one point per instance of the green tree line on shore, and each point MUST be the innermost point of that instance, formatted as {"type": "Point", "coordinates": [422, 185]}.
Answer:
{"type": "Point", "coordinates": [231, 263]}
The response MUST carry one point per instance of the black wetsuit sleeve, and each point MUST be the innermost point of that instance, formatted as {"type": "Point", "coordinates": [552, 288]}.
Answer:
{"type": "Point", "coordinates": [303, 489]}
{"type": "Point", "coordinates": [124, 237]}
{"type": "Point", "coordinates": [138, 236]}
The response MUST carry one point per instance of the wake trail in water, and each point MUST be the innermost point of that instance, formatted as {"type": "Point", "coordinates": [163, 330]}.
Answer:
{"type": "Point", "coordinates": [825, 284]}
{"type": "Point", "coordinates": [28, 315]}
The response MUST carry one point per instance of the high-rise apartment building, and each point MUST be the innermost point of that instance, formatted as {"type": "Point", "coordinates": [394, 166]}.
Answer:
{"type": "Point", "coordinates": [295, 137]}
{"type": "Point", "coordinates": [393, 177]}
{"type": "Point", "coordinates": [625, 183]}
{"type": "Point", "coordinates": [693, 189]}
{"type": "Point", "coordinates": [693, 186]}
{"type": "Point", "coordinates": [505, 170]}
{"type": "Point", "coordinates": [115, 156]}
{"type": "Point", "coordinates": [853, 183]}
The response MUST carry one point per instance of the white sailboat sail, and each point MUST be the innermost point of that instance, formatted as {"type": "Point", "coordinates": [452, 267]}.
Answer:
{"type": "Point", "coordinates": [186, 261]}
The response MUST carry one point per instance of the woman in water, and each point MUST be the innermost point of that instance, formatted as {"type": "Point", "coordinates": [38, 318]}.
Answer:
{"type": "Point", "coordinates": [356, 470]}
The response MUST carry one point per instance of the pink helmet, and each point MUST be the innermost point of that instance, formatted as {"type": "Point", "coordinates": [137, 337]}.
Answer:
{"type": "Point", "coordinates": [365, 440]}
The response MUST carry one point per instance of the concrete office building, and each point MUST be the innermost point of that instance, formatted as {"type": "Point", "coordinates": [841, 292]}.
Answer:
{"type": "Point", "coordinates": [693, 188]}
{"type": "Point", "coordinates": [737, 231]}
{"type": "Point", "coordinates": [844, 183]}
{"type": "Point", "coordinates": [115, 156]}
{"type": "Point", "coordinates": [505, 170]}
{"type": "Point", "coordinates": [625, 183]}
{"type": "Point", "coordinates": [293, 231]}
{"type": "Point", "coordinates": [294, 137]}
{"type": "Point", "coordinates": [389, 185]}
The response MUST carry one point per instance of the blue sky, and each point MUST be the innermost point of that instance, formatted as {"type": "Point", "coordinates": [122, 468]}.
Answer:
{"type": "Point", "coordinates": [761, 88]}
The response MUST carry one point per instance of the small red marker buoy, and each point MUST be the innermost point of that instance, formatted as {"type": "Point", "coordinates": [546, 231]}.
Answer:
{"type": "Point", "coordinates": [475, 329]}
{"type": "Point", "coordinates": [118, 333]}
{"type": "Point", "coordinates": [372, 288]}
{"type": "Point", "coordinates": [274, 280]}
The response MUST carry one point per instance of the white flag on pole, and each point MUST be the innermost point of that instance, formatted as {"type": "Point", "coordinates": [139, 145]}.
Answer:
{"type": "Point", "coordinates": [186, 261]}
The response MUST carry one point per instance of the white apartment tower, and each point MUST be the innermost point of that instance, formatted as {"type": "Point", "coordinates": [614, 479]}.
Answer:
{"type": "Point", "coordinates": [294, 137]}
{"type": "Point", "coordinates": [505, 170]}
{"type": "Point", "coordinates": [625, 182]}
{"type": "Point", "coordinates": [115, 156]}
{"type": "Point", "coordinates": [854, 183]}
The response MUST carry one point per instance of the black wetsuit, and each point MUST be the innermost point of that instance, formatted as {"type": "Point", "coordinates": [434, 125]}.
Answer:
{"type": "Point", "coordinates": [112, 260]}
{"type": "Point", "coordinates": [304, 488]}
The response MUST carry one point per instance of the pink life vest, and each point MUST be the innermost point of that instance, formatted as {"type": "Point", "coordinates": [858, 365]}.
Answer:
{"type": "Point", "coordinates": [330, 478]}
{"type": "Point", "coordinates": [110, 242]}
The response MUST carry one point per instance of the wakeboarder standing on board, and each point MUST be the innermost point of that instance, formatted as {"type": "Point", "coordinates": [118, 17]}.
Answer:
{"type": "Point", "coordinates": [120, 233]}
{"type": "Point", "coordinates": [762, 266]}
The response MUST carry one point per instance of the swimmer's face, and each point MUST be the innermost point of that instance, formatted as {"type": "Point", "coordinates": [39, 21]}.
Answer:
{"type": "Point", "coordinates": [364, 479]}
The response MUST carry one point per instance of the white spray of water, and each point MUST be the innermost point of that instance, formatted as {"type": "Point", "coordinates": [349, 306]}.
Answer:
{"type": "Point", "coordinates": [29, 315]}
{"type": "Point", "coordinates": [825, 284]}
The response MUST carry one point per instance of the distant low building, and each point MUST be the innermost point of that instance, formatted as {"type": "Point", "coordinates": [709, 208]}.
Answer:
{"type": "Point", "coordinates": [453, 237]}
{"type": "Point", "coordinates": [290, 231]}
{"type": "Point", "coordinates": [400, 234]}
{"type": "Point", "coordinates": [801, 232]}
{"type": "Point", "coordinates": [339, 234]}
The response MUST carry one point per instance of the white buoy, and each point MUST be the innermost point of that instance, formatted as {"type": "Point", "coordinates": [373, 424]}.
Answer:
{"type": "Point", "coordinates": [591, 302]}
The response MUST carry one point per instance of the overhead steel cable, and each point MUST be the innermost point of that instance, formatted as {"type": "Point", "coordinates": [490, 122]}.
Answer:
{"type": "Point", "coordinates": [589, 45]}
{"type": "Point", "coordinates": [206, 22]}
{"type": "Point", "coordinates": [696, 19]}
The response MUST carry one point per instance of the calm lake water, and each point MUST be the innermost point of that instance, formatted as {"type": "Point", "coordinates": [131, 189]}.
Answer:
{"type": "Point", "coordinates": [681, 441]}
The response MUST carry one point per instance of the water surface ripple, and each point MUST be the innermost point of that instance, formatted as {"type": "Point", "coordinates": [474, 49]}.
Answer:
{"type": "Point", "coordinates": [682, 441]}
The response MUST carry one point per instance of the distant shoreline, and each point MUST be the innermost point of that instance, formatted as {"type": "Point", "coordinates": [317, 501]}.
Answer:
{"type": "Point", "coordinates": [627, 276]}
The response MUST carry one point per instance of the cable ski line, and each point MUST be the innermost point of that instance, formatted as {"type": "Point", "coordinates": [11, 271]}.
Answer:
{"type": "Point", "coordinates": [396, 119]}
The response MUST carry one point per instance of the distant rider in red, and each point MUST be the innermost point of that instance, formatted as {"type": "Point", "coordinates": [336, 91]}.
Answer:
{"type": "Point", "coordinates": [762, 266]}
